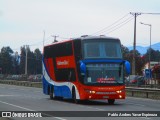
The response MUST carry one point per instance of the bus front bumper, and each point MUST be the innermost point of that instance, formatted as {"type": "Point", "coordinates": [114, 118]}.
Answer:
{"type": "Point", "coordinates": [103, 95]}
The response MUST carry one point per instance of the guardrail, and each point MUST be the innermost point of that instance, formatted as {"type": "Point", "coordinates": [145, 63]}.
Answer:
{"type": "Point", "coordinates": [22, 83]}
{"type": "Point", "coordinates": [152, 93]}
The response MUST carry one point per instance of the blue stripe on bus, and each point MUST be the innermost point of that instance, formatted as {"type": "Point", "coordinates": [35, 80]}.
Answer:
{"type": "Point", "coordinates": [46, 86]}
{"type": "Point", "coordinates": [61, 91]}
{"type": "Point", "coordinates": [102, 61]}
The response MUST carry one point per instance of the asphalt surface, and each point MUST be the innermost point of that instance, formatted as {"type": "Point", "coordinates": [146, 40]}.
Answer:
{"type": "Point", "coordinates": [20, 98]}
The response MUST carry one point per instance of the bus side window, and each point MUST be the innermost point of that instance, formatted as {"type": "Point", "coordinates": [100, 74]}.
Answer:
{"type": "Point", "coordinates": [65, 74]}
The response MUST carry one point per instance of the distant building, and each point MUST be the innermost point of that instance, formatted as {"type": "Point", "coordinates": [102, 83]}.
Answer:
{"type": "Point", "coordinates": [146, 66]}
{"type": "Point", "coordinates": [152, 64]}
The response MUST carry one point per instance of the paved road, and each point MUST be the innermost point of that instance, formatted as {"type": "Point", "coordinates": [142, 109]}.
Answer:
{"type": "Point", "coordinates": [20, 98]}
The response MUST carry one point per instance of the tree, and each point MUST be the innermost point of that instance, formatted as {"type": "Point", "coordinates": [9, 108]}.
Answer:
{"type": "Point", "coordinates": [0, 63]}
{"type": "Point", "coordinates": [156, 72]}
{"type": "Point", "coordinates": [31, 62]}
{"type": "Point", "coordinates": [34, 64]}
{"type": "Point", "coordinates": [125, 52]}
{"type": "Point", "coordinates": [38, 61]}
{"type": "Point", "coordinates": [16, 60]}
{"type": "Point", "coordinates": [154, 55]}
{"type": "Point", "coordinates": [128, 55]}
{"type": "Point", "coordinates": [22, 60]}
{"type": "Point", "coordinates": [6, 60]}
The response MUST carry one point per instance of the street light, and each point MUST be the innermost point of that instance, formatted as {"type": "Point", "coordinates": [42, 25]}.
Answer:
{"type": "Point", "coordinates": [150, 43]}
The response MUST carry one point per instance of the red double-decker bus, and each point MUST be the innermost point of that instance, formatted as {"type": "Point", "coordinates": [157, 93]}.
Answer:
{"type": "Point", "coordinates": [85, 68]}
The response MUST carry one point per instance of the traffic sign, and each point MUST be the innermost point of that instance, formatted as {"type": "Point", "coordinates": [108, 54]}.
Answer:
{"type": "Point", "coordinates": [148, 73]}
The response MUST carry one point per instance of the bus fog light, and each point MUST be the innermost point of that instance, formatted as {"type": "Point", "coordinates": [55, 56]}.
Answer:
{"type": "Point", "coordinates": [120, 96]}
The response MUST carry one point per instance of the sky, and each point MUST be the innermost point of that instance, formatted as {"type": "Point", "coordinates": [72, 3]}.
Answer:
{"type": "Point", "coordinates": [24, 22]}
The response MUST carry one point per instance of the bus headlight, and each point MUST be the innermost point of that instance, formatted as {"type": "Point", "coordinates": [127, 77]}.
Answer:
{"type": "Point", "coordinates": [90, 91]}
{"type": "Point", "coordinates": [119, 91]}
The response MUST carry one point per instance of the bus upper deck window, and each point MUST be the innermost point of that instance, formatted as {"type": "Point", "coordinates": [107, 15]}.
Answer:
{"type": "Point", "coordinates": [92, 50]}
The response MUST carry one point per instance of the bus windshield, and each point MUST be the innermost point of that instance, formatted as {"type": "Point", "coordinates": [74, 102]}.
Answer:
{"type": "Point", "coordinates": [101, 48]}
{"type": "Point", "coordinates": [102, 74]}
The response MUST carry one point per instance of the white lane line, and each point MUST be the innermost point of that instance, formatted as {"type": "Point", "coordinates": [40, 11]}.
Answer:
{"type": "Point", "coordinates": [2, 87]}
{"type": "Point", "coordinates": [13, 88]}
{"type": "Point", "coordinates": [80, 105]}
{"type": "Point", "coordinates": [92, 107]}
{"type": "Point", "coordinates": [144, 99]}
{"type": "Point", "coordinates": [7, 95]}
{"type": "Point", "coordinates": [136, 104]}
{"type": "Point", "coordinates": [131, 103]}
{"type": "Point", "coordinates": [16, 106]}
{"type": "Point", "coordinates": [29, 109]}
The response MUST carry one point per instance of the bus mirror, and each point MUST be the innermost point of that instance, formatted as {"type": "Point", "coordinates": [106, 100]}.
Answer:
{"type": "Point", "coordinates": [128, 67]}
{"type": "Point", "coordinates": [82, 68]}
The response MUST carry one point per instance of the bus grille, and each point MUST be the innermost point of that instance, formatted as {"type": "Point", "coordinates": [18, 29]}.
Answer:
{"type": "Point", "coordinates": [109, 93]}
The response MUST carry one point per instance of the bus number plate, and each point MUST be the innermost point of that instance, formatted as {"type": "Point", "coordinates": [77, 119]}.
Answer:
{"type": "Point", "coordinates": [105, 96]}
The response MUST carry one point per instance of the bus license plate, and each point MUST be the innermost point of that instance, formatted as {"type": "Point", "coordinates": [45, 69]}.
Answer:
{"type": "Point", "coordinates": [105, 96]}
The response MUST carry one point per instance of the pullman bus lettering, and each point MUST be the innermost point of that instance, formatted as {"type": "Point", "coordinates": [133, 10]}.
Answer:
{"type": "Point", "coordinates": [85, 68]}
{"type": "Point", "coordinates": [62, 62]}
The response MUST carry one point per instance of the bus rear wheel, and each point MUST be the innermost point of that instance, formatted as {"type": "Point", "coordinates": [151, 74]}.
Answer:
{"type": "Point", "coordinates": [111, 101]}
{"type": "Point", "coordinates": [52, 96]}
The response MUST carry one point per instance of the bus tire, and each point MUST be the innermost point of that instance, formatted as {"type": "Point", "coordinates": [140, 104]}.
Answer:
{"type": "Point", "coordinates": [111, 101]}
{"type": "Point", "coordinates": [52, 96]}
{"type": "Point", "coordinates": [74, 96]}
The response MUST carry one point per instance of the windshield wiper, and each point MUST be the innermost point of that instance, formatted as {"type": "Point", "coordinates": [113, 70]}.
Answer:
{"type": "Point", "coordinates": [118, 82]}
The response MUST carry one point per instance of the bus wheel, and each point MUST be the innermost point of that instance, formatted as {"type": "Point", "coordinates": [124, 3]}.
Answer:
{"type": "Point", "coordinates": [111, 101]}
{"type": "Point", "coordinates": [74, 97]}
{"type": "Point", "coordinates": [52, 96]}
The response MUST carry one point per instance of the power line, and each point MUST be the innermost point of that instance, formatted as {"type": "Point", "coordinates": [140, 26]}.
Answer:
{"type": "Point", "coordinates": [120, 25]}
{"type": "Point", "coordinates": [110, 25]}
{"type": "Point", "coordinates": [151, 13]}
{"type": "Point", "coordinates": [116, 25]}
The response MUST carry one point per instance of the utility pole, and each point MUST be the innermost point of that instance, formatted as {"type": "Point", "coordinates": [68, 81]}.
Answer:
{"type": "Point", "coordinates": [27, 46]}
{"type": "Point", "coordinates": [55, 40]}
{"type": "Point", "coordinates": [43, 38]}
{"type": "Point", "coordinates": [135, 14]}
{"type": "Point", "coordinates": [134, 43]}
{"type": "Point", "coordinates": [150, 48]}
{"type": "Point", "coordinates": [149, 66]}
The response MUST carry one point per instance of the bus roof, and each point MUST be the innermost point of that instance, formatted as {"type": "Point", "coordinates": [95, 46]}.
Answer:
{"type": "Point", "coordinates": [84, 37]}
{"type": "Point", "coordinates": [95, 37]}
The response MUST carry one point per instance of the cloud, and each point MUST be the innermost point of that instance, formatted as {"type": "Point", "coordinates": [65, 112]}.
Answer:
{"type": "Point", "coordinates": [24, 21]}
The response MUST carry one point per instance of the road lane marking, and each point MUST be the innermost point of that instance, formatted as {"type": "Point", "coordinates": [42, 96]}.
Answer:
{"type": "Point", "coordinates": [7, 95]}
{"type": "Point", "coordinates": [91, 107]}
{"type": "Point", "coordinates": [16, 106]}
{"type": "Point", "coordinates": [135, 104]}
{"type": "Point", "coordinates": [132, 103]}
{"type": "Point", "coordinates": [30, 110]}
{"type": "Point", "coordinates": [80, 105]}
{"type": "Point", "coordinates": [144, 99]}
